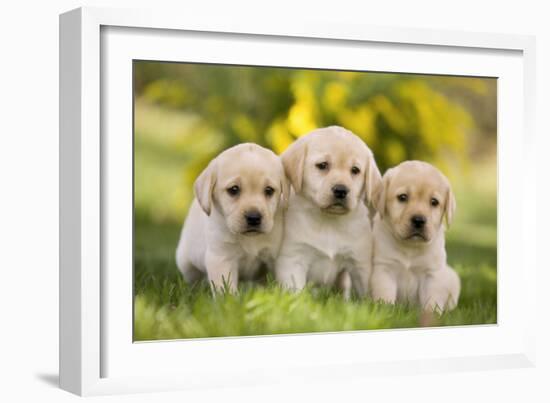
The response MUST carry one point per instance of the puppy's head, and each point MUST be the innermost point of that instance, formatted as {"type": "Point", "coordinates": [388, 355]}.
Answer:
{"type": "Point", "coordinates": [246, 184]}
{"type": "Point", "coordinates": [333, 168]}
{"type": "Point", "coordinates": [415, 198]}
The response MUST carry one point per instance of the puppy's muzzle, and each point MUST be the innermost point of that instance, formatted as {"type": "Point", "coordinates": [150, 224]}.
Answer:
{"type": "Point", "coordinates": [253, 219]}
{"type": "Point", "coordinates": [340, 191]}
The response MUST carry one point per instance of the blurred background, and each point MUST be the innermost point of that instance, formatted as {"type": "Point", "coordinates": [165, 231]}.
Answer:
{"type": "Point", "coordinates": [186, 114]}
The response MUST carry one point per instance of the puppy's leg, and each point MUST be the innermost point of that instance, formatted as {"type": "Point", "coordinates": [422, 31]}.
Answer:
{"type": "Point", "coordinates": [291, 273]}
{"type": "Point", "coordinates": [360, 277]}
{"type": "Point", "coordinates": [190, 274]}
{"type": "Point", "coordinates": [439, 291]}
{"type": "Point", "coordinates": [383, 285]}
{"type": "Point", "coordinates": [344, 283]}
{"type": "Point", "coordinates": [223, 273]}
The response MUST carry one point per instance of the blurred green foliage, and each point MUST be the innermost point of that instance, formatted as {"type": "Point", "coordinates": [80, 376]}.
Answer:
{"type": "Point", "coordinates": [188, 113]}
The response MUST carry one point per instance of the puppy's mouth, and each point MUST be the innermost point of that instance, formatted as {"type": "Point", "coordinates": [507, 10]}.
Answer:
{"type": "Point", "coordinates": [252, 231]}
{"type": "Point", "coordinates": [417, 236]}
{"type": "Point", "coordinates": [337, 208]}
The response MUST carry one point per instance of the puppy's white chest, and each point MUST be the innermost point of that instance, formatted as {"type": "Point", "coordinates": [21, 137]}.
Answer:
{"type": "Point", "coordinates": [250, 265]}
{"type": "Point", "coordinates": [330, 254]}
{"type": "Point", "coordinates": [410, 267]}
{"type": "Point", "coordinates": [254, 255]}
{"type": "Point", "coordinates": [340, 239]}
{"type": "Point", "coordinates": [254, 247]}
{"type": "Point", "coordinates": [332, 245]}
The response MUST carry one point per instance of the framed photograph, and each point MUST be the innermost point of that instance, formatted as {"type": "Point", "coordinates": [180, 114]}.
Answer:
{"type": "Point", "coordinates": [242, 203]}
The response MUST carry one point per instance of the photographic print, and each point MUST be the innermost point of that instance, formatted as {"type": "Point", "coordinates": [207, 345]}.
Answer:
{"type": "Point", "coordinates": [274, 200]}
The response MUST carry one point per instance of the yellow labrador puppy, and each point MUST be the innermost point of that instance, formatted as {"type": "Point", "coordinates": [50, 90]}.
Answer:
{"type": "Point", "coordinates": [410, 262]}
{"type": "Point", "coordinates": [235, 224]}
{"type": "Point", "coordinates": [328, 232]}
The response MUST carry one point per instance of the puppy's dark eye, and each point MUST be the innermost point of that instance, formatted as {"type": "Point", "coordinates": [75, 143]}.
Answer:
{"type": "Point", "coordinates": [322, 165]}
{"type": "Point", "coordinates": [234, 190]}
{"type": "Point", "coordinates": [355, 170]}
{"type": "Point", "coordinates": [434, 202]}
{"type": "Point", "coordinates": [403, 197]}
{"type": "Point", "coordinates": [269, 191]}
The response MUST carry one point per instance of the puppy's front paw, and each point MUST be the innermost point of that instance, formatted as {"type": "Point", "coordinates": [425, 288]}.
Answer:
{"type": "Point", "coordinates": [383, 287]}
{"type": "Point", "coordinates": [290, 277]}
{"type": "Point", "coordinates": [385, 299]}
{"type": "Point", "coordinates": [223, 284]}
{"type": "Point", "coordinates": [439, 305]}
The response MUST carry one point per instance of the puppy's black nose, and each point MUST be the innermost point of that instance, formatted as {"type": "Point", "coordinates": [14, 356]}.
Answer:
{"type": "Point", "coordinates": [340, 191]}
{"type": "Point", "coordinates": [253, 218]}
{"type": "Point", "coordinates": [418, 221]}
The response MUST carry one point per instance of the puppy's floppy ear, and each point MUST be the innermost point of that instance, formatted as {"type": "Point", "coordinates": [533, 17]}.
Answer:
{"type": "Point", "coordinates": [285, 191]}
{"type": "Point", "coordinates": [379, 194]}
{"type": "Point", "coordinates": [373, 180]}
{"type": "Point", "coordinates": [450, 207]}
{"type": "Point", "coordinates": [204, 186]}
{"type": "Point", "coordinates": [293, 161]}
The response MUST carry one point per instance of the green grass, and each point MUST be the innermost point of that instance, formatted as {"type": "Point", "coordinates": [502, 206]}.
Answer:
{"type": "Point", "coordinates": [167, 308]}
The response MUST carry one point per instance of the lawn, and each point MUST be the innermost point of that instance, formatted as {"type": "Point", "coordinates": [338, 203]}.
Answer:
{"type": "Point", "coordinates": [167, 308]}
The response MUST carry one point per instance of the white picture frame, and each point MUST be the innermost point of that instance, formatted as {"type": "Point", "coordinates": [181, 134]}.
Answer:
{"type": "Point", "coordinates": [96, 355]}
